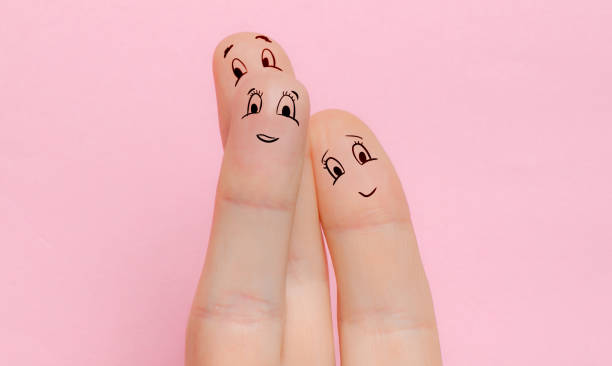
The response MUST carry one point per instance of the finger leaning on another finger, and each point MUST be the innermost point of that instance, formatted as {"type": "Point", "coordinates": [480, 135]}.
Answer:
{"type": "Point", "coordinates": [308, 330]}
{"type": "Point", "coordinates": [236, 59]}
{"type": "Point", "coordinates": [385, 312]}
{"type": "Point", "coordinates": [237, 314]}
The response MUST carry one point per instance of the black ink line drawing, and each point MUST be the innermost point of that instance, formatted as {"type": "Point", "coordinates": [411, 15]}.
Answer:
{"type": "Point", "coordinates": [268, 59]}
{"type": "Point", "coordinates": [323, 157]}
{"type": "Point", "coordinates": [361, 154]}
{"type": "Point", "coordinates": [286, 106]}
{"type": "Point", "coordinates": [265, 138]}
{"type": "Point", "coordinates": [333, 167]}
{"type": "Point", "coordinates": [227, 50]}
{"type": "Point", "coordinates": [264, 38]}
{"type": "Point", "coordinates": [239, 69]}
{"type": "Point", "coordinates": [369, 194]}
{"type": "Point", "coordinates": [255, 102]}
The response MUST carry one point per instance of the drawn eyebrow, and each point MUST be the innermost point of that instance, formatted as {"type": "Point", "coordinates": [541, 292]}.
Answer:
{"type": "Point", "coordinates": [296, 94]}
{"type": "Point", "coordinates": [250, 90]}
{"type": "Point", "coordinates": [264, 38]}
{"type": "Point", "coordinates": [359, 137]}
{"type": "Point", "coordinates": [323, 158]}
{"type": "Point", "coordinates": [227, 50]}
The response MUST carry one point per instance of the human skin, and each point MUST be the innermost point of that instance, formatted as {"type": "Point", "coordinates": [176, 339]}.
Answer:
{"type": "Point", "coordinates": [308, 331]}
{"type": "Point", "coordinates": [385, 310]}
{"type": "Point", "coordinates": [250, 54]}
{"type": "Point", "coordinates": [263, 296]}
{"type": "Point", "coordinates": [240, 297]}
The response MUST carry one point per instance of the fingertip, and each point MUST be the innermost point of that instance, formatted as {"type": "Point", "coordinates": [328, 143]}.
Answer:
{"type": "Point", "coordinates": [356, 182]}
{"type": "Point", "coordinates": [236, 59]}
{"type": "Point", "coordinates": [266, 142]}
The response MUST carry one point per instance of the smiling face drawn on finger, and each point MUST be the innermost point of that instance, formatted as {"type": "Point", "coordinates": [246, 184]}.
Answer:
{"type": "Point", "coordinates": [286, 107]}
{"type": "Point", "coordinates": [237, 59]}
{"type": "Point", "coordinates": [361, 156]}
{"type": "Point", "coordinates": [270, 113]}
{"type": "Point", "coordinates": [356, 183]}
{"type": "Point", "coordinates": [267, 137]}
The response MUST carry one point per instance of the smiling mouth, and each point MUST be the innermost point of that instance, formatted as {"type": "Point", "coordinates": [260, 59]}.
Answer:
{"type": "Point", "coordinates": [369, 194]}
{"type": "Point", "coordinates": [265, 138]}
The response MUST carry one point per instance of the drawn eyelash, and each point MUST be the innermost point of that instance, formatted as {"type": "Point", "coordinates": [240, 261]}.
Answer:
{"type": "Point", "coordinates": [255, 91]}
{"type": "Point", "coordinates": [323, 160]}
{"type": "Point", "coordinates": [287, 93]}
{"type": "Point", "coordinates": [361, 153]}
{"type": "Point", "coordinates": [336, 170]}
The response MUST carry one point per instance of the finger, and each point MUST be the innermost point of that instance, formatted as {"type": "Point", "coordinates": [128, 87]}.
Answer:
{"type": "Point", "coordinates": [237, 314]}
{"type": "Point", "coordinates": [309, 337]}
{"type": "Point", "coordinates": [236, 59]}
{"type": "Point", "coordinates": [385, 312]}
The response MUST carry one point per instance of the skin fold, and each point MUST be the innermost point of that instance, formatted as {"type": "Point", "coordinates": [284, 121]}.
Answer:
{"type": "Point", "coordinates": [263, 295]}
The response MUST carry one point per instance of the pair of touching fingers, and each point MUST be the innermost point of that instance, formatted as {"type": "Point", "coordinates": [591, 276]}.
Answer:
{"type": "Point", "coordinates": [263, 296]}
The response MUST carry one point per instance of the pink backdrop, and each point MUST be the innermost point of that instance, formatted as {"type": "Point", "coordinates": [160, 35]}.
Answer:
{"type": "Point", "coordinates": [497, 115]}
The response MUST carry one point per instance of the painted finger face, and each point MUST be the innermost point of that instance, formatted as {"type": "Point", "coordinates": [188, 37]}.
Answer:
{"type": "Point", "coordinates": [238, 58]}
{"type": "Point", "coordinates": [267, 139]}
{"type": "Point", "coordinates": [355, 179]}
{"type": "Point", "coordinates": [360, 154]}
{"type": "Point", "coordinates": [285, 107]}
{"type": "Point", "coordinates": [270, 112]}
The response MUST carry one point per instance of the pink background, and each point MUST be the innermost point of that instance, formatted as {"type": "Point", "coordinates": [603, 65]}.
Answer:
{"type": "Point", "coordinates": [497, 115]}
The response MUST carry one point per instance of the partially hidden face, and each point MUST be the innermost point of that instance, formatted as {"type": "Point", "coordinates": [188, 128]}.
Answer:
{"type": "Point", "coordinates": [239, 57]}
{"type": "Point", "coordinates": [355, 179]}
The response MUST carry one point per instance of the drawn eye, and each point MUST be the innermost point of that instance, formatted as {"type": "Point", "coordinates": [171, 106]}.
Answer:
{"type": "Point", "coordinates": [267, 59]}
{"type": "Point", "coordinates": [361, 154]}
{"type": "Point", "coordinates": [286, 106]}
{"type": "Point", "coordinates": [254, 104]}
{"type": "Point", "coordinates": [334, 168]}
{"type": "Point", "coordinates": [238, 69]}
